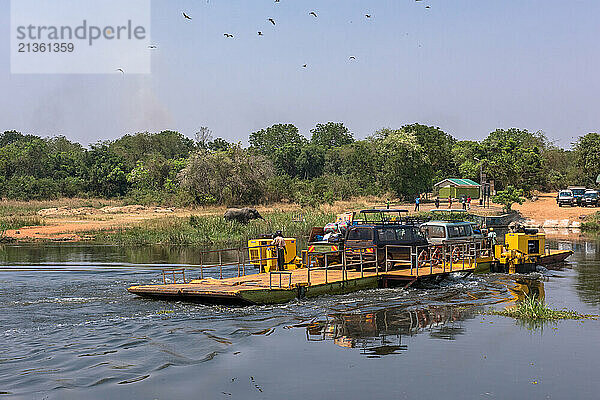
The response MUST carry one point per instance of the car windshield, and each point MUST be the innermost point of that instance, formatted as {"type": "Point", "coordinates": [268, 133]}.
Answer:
{"type": "Point", "coordinates": [592, 195]}
{"type": "Point", "coordinates": [565, 194]}
{"type": "Point", "coordinates": [578, 192]}
{"type": "Point", "coordinates": [398, 234]}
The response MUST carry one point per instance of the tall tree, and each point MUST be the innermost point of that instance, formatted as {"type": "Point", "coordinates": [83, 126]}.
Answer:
{"type": "Point", "coordinates": [514, 157]}
{"type": "Point", "coordinates": [406, 169]}
{"type": "Point", "coordinates": [587, 157]}
{"type": "Point", "coordinates": [438, 145]}
{"type": "Point", "coordinates": [268, 140]}
{"type": "Point", "coordinates": [330, 135]}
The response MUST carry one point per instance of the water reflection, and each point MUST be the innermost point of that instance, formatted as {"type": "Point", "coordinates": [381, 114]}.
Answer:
{"type": "Point", "coordinates": [380, 332]}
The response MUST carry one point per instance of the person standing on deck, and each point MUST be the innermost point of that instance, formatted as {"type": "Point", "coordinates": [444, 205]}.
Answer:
{"type": "Point", "coordinates": [463, 201]}
{"type": "Point", "coordinates": [469, 202]}
{"type": "Point", "coordinates": [437, 202]}
{"type": "Point", "coordinates": [417, 201]}
{"type": "Point", "coordinates": [449, 202]}
{"type": "Point", "coordinates": [279, 244]}
{"type": "Point", "coordinates": [492, 237]}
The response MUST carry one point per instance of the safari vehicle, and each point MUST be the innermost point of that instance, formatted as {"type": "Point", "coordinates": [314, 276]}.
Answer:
{"type": "Point", "coordinates": [565, 198]}
{"type": "Point", "coordinates": [578, 194]}
{"type": "Point", "coordinates": [590, 198]}
{"type": "Point", "coordinates": [381, 238]}
{"type": "Point", "coordinates": [331, 238]}
{"type": "Point", "coordinates": [440, 232]}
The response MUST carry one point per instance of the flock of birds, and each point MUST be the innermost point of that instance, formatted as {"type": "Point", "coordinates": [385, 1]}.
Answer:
{"type": "Point", "coordinates": [260, 33]}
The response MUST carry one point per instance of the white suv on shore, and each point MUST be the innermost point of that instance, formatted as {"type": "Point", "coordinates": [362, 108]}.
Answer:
{"type": "Point", "coordinates": [565, 197]}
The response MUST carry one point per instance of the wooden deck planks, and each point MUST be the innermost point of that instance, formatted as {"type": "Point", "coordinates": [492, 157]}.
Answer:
{"type": "Point", "coordinates": [234, 287]}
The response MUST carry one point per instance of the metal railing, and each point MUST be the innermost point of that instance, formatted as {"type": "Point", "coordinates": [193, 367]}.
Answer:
{"type": "Point", "coordinates": [445, 256]}
{"type": "Point", "coordinates": [173, 271]}
{"type": "Point", "coordinates": [280, 273]}
{"type": "Point", "coordinates": [240, 261]}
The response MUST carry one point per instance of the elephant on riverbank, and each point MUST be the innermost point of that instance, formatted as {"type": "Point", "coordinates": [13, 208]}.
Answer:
{"type": "Point", "coordinates": [242, 215]}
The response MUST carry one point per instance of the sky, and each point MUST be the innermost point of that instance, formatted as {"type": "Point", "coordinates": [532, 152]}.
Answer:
{"type": "Point", "coordinates": [468, 67]}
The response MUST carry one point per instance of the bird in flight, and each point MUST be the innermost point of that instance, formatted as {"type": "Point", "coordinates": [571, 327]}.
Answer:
{"type": "Point", "coordinates": [153, 46]}
{"type": "Point", "coordinates": [228, 35]}
{"type": "Point", "coordinates": [276, 1]}
{"type": "Point", "coordinates": [304, 66]}
{"type": "Point", "coordinates": [368, 15]}
{"type": "Point", "coordinates": [120, 70]}
{"type": "Point", "coordinates": [186, 16]}
{"type": "Point", "coordinates": [260, 33]}
{"type": "Point", "coordinates": [427, 6]}
{"type": "Point", "coordinates": [271, 20]}
{"type": "Point", "coordinates": [352, 58]}
{"type": "Point", "coordinates": [314, 14]}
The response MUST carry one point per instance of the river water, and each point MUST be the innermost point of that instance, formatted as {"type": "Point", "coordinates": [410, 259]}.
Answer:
{"type": "Point", "coordinates": [70, 330]}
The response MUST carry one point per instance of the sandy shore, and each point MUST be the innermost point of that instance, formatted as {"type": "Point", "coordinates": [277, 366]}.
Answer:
{"type": "Point", "coordinates": [72, 223]}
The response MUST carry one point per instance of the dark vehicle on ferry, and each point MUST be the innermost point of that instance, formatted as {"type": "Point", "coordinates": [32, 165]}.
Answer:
{"type": "Point", "coordinates": [381, 234]}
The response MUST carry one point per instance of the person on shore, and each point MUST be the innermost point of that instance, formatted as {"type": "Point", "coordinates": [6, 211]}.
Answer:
{"type": "Point", "coordinates": [417, 202]}
{"type": "Point", "coordinates": [279, 244]}
{"type": "Point", "coordinates": [469, 203]}
{"type": "Point", "coordinates": [463, 201]}
{"type": "Point", "coordinates": [449, 202]}
{"type": "Point", "coordinates": [437, 202]}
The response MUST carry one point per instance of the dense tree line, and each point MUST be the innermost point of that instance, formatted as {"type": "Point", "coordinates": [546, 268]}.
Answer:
{"type": "Point", "coordinates": [282, 164]}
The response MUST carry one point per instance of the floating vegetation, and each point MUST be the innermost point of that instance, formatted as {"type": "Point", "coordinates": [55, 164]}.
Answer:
{"type": "Point", "coordinates": [531, 309]}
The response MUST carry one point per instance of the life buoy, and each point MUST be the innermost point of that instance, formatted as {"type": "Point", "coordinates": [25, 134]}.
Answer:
{"type": "Point", "coordinates": [436, 257]}
{"type": "Point", "coordinates": [456, 254]}
{"type": "Point", "coordinates": [422, 258]}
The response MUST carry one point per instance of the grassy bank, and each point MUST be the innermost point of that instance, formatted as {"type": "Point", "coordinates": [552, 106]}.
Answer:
{"type": "Point", "coordinates": [17, 222]}
{"type": "Point", "coordinates": [213, 231]}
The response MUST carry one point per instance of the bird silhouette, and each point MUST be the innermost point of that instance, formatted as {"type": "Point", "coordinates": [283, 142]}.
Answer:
{"type": "Point", "coordinates": [368, 15]}
{"type": "Point", "coordinates": [153, 46]}
{"type": "Point", "coordinates": [260, 33]}
{"type": "Point", "coordinates": [427, 6]}
{"type": "Point", "coordinates": [271, 20]}
{"type": "Point", "coordinates": [120, 70]}
{"type": "Point", "coordinates": [352, 58]}
{"type": "Point", "coordinates": [186, 16]}
{"type": "Point", "coordinates": [304, 66]}
{"type": "Point", "coordinates": [228, 35]}
{"type": "Point", "coordinates": [314, 14]}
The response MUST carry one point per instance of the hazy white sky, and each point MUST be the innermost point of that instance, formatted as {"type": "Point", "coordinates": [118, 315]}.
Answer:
{"type": "Point", "coordinates": [468, 67]}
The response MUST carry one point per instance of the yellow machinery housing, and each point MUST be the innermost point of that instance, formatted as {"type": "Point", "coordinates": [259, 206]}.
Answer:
{"type": "Point", "coordinates": [520, 252]}
{"type": "Point", "coordinates": [264, 256]}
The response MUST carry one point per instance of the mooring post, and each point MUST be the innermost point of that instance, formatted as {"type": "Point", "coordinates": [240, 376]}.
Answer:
{"type": "Point", "coordinates": [220, 264]}
{"type": "Point", "coordinates": [308, 268]}
{"type": "Point", "coordinates": [325, 268]}
{"type": "Point", "coordinates": [201, 266]}
{"type": "Point", "coordinates": [361, 262]}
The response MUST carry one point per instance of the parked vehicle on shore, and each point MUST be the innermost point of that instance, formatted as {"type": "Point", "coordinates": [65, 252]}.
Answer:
{"type": "Point", "coordinates": [590, 198]}
{"type": "Point", "coordinates": [578, 193]}
{"type": "Point", "coordinates": [565, 198]}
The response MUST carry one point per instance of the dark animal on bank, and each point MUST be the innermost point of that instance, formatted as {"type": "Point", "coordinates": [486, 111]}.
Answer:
{"type": "Point", "coordinates": [242, 215]}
